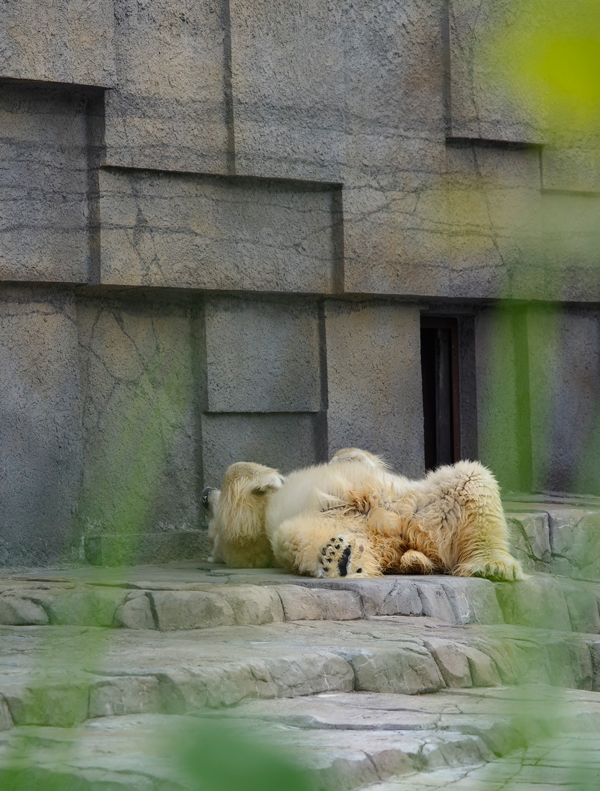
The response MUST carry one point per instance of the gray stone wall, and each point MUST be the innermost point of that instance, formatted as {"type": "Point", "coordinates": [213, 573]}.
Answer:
{"type": "Point", "coordinates": [221, 223]}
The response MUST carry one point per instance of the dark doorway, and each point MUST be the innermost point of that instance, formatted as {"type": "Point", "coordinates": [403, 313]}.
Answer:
{"type": "Point", "coordinates": [439, 373]}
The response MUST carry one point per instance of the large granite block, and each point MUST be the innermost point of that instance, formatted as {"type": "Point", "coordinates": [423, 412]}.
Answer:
{"type": "Point", "coordinates": [142, 465]}
{"type": "Point", "coordinates": [40, 425]}
{"type": "Point", "coordinates": [575, 540]}
{"type": "Point", "coordinates": [58, 41]}
{"type": "Point", "coordinates": [457, 221]}
{"type": "Point", "coordinates": [168, 110]}
{"type": "Point", "coordinates": [262, 356]}
{"type": "Point", "coordinates": [43, 184]}
{"type": "Point", "coordinates": [570, 244]}
{"type": "Point", "coordinates": [537, 602]}
{"type": "Point", "coordinates": [503, 432]}
{"type": "Point", "coordinates": [374, 381]}
{"type": "Point", "coordinates": [185, 231]}
{"type": "Point", "coordinates": [483, 101]}
{"type": "Point", "coordinates": [283, 441]}
{"type": "Point", "coordinates": [530, 540]}
{"type": "Point", "coordinates": [393, 74]}
{"type": "Point", "coordinates": [564, 390]}
{"type": "Point", "coordinates": [288, 88]}
{"type": "Point", "coordinates": [572, 167]}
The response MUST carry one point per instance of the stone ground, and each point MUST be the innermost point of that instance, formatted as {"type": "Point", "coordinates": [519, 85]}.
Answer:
{"type": "Point", "coordinates": [395, 683]}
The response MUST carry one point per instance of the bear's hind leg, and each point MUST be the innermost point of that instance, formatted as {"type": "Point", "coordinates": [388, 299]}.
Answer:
{"type": "Point", "coordinates": [477, 524]}
{"type": "Point", "coordinates": [414, 562]}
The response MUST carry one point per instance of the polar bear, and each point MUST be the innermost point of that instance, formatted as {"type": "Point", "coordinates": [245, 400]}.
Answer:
{"type": "Point", "coordinates": [352, 517]}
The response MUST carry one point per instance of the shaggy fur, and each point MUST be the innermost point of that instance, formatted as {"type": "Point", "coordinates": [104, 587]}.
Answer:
{"type": "Point", "coordinates": [352, 517]}
{"type": "Point", "coordinates": [236, 527]}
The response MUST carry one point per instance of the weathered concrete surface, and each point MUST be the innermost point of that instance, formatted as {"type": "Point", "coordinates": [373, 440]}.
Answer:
{"type": "Point", "coordinates": [44, 183]}
{"type": "Point", "coordinates": [40, 424]}
{"type": "Point", "coordinates": [483, 104]}
{"type": "Point", "coordinates": [186, 231]}
{"type": "Point", "coordinates": [284, 441]}
{"type": "Point", "coordinates": [570, 235]}
{"type": "Point", "coordinates": [301, 153]}
{"type": "Point", "coordinates": [168, 109]}
{"type": "Point", "coordinates": [117, 549]}
{"type": "Point", "coordinates": [309, 666]}
{"type": "Point", "coordinates": [429, 235]}
{"type": "Point", "coordinates": [266, 595]}
{"type": "Point", "coordinates": [288, 73]}
{"type": "Point", "coordinates": [262, 356]}
{"type": "Point", "coordinates": [383, 741]}
{"type": "Point", "coordinates": [564, 406]}
{"type": "Point", "coordinates": [530, 541]}
{"type": "Point", "coordinates": [562, 764]}
{"type": "Point", "coordinates": [574, 167]}
{"type": "Point", "coordinates": [502, 413]}
{"type": "Point", "coordinates": [56, 41]}
{"type": "Point", "coordinates": [141, 468]}
{"type": "Point", "coordinates": [222, 666]}
{"type": "Point", "coordinates": [374, 393]}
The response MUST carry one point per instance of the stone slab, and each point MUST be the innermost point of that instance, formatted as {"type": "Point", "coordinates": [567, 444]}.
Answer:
{"type": "Point", "coordinates": [191, 610]}
{"type": "Point", "coordinates": [487, 201]}
{"type": "Point", "coordinates": [85, 608]}
{"type": "Point", "coordinates": [343, 740]}
{"type": "Point", "coordinates": [44, 183]}
{"type": "Point", "coordinates": [563, 406]}
{"type": "Point", "coordinates": [78, 50]}
{"type": "Point", "coordinates": [253, 605]}
{"type": "Point", "coordinates": [262, 356]}
{"type": "Point", "coordinates": [118, 550]}
{"type": "Point", "coordinates": [537, 602]}
{"type": "Point", "coordinates": [382, 411]}
{"type": "Point", "coordinates": [21, 612]}
{"type": "Point", "coordinates": [288, 89]}
{"type": "Point", "coordinates": [530, 540]}
{"type": "Point", "coordinates": [203, 232]}
{"type": "Point", "coordinates": [483, 103]}
{"type": "Point", "coordinates": [40, 425]}
{"type": "Point", "coordinates": [168, 109]}
{"type": "Point", "coordinates": [301, 604]}
{"type": "Point", "coordinates": [572, 167]}
{"type": "Point", "coordinates": [285, 441]}
{"type": "Point", "coordinates": [142, 470]}
{"type": "Point", "coordinates": [575, 540]}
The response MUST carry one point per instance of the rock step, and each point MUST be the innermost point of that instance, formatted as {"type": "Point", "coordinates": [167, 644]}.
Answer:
{"type": "Point", "coordinates": [226, 598]}
{"type": "Point", "coordinates": [61, 676]}
{"type": "Point", "coordinates": [566, 763]}
{"type": "Point", "coordinates": [344, 741]}
{"type": "Point", "coordinates": [556, 538]}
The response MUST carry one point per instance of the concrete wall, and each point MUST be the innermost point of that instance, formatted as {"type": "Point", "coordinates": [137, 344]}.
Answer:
{"type": "Point", "coordinates": [221, 222]}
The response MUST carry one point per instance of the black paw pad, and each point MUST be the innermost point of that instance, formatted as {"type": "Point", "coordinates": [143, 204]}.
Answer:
{"type": "Point", "coordinates": [343, 562]}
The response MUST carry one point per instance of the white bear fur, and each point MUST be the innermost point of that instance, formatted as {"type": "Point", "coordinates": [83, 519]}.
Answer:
{"type": "Point", "coordinates": [353, 517]}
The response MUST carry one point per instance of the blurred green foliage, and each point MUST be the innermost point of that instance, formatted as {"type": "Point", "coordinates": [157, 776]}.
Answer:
{"type": "Point", "coordinates": [550, 56]}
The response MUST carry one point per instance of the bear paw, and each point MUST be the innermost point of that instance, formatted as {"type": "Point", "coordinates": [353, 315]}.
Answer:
{"type": "Point", "coordinates": [340, 557]}
{"type": "Point", "coordinates": [505, 569]}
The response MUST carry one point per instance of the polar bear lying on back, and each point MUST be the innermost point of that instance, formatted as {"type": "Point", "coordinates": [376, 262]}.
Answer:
{"type": "Point", "coordinates": [353, 517]}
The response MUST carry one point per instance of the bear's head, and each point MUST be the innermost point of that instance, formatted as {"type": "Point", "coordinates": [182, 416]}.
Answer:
{"type": "Point", "coordinates": [236, 514]}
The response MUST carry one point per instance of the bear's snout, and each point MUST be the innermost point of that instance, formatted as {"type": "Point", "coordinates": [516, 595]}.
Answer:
{"type": "Point", "coordinates": [206, 496]}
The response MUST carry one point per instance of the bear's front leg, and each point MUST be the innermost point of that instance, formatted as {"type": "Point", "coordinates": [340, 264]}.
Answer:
{"type": "Point", "coordinates": [320, 545]}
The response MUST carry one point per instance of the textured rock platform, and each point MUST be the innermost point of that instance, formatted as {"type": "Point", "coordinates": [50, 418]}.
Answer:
{"type": "Point", "coordinates": [361, 681]}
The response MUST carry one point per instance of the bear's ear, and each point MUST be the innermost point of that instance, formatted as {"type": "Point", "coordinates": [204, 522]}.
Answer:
{"type": "Point", "coordinates": [270, 485]}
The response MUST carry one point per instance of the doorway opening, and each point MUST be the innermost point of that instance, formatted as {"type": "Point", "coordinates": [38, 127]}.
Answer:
{"type": "Point", "coordinates": [440, 380]}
